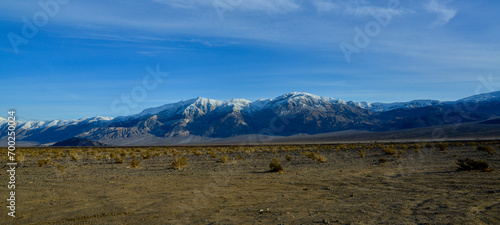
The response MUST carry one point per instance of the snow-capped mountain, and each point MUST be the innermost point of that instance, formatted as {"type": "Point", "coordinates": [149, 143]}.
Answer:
{"type": "Point", "coordinates": [204, 105]}
{"type": "Point", "coordinates": [492, 96]}
{"type": "Point", "coordinates": [384, 107]}
{"type": "Point", "coordinates": [54, 130]}
{"type": "Point", "coordinates": [53, 123]}
{"type": "Point", "coordinates": [288, 114]}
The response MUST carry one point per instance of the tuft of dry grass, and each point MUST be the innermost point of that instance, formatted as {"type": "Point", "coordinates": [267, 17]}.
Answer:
{"type": "Point", "coordinates": [275, 166]}
{"type": "Point", "coordinates": [60, 167]}
{"type": "Point", "coordinates": [212, 153]}
{"type": "Point", "coordinates": [224, 159]}
{"type": "Point", "coordinates": [487, 149]}
{"type": "Point", "coordinates": [361, 153]}
{"type": "Point", "coordinates": [20, 158]}
{"type": "Point", "coordinates": [179, 162]}
{"type": "Point", "coordinates": [469, 164]}
{"type": "Point", "coordinates": [389, 151]}
{"type": "Point", "coordinates": [134, 164]}
{"type": "Point", "coordinates": [74, 156]}
{"type": "Point", "coordinates": [43, 162]}
{"type": "Point", "coordinates": [382, 160]}
{"type": "Point", "coordinates": [314, 156]}
{"type": "Point", "coordinates": [443, 146]}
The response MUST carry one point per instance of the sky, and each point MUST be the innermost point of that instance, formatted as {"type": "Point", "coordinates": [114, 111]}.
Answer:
{"type": "Point", "coordinates": [68, 59]}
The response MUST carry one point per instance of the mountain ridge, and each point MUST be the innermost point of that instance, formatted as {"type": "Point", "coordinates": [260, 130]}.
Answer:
{"type": "Point", "coordinates": [289, 114]}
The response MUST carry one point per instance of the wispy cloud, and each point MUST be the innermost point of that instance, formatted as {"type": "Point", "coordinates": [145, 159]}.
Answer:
{"type": "Point", "coordinates": [444, 13]}
{"type": "Point", "coordinates": [325, 6]}
{"type": "Point", "coordinates": [355, 7]}
{"type": "Point", "coordinates": [271, 7]}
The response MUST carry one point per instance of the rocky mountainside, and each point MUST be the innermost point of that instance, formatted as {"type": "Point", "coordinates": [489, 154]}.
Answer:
{"type": "Point", "coordinates": [290, 114]}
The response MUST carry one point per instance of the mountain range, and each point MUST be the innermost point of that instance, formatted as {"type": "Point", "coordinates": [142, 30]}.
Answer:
{"type": "Point", "coordinates": [203, 120]}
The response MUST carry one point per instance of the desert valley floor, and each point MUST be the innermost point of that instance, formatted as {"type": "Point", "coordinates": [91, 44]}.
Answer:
{"type": "Point", "coordinates": [371, 183]}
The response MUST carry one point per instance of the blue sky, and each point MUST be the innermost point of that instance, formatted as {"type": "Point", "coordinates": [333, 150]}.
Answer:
{"type": "Point", "coordinates": [87, 55]}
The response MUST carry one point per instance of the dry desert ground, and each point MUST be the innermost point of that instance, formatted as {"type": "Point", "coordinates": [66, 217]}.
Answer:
{"type": "Point", "coordinates": [319, 184]}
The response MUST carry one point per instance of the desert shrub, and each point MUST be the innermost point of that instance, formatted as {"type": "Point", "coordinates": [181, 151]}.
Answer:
{"type": "Point", "coordinates": [275, 165]}
{"type": "Point", "coordinates": [107, 156]}
{"type": "Point", "coordinates": [212, 153]}
{"type": "Point", "coordinates": [382, 160]}
{"type": "Point", "coordinates": [224, 159]}
{"type": "Point", "coordinates": [469, 164]}
{"type": "Point", "coordinates": [74, 156]}
{"type": "Point", "coordinates": [58, 154]}
{"type": "Point", "coordinates": [146, 155]}
{"type": "Point", "coordinates": [33, 153]}
{"type": "Point", "coordinates": [443, 146]}
{"type": "Point", "coordinates": [389, 151]}
{"type": "Point", "coordinates": [361, 153]}
{"type": "Point", "coordinates": [314, 156]}
{"type": "Point", "coordinates": [179, 162]}
{"type": "Point", "coordinates": [118, 159]}
{"type": "Point", "coordinates": [60, 167]}
{"type": "Point", "coordinates": [197, 152]}
{"type": "Point", "coordinates": [156, 153]}
{"type": "Point", "coordinates": [99, 156]}
{"type": "Point", "coordinates": [487, 149]}
{"type": "Point", "coordinates": [123, 153]}
{"type": "Point", "coordinates": [134, 164]}
{"type": "Point", "coordinates": [288, 157]}
{"type": "Point", "coordinates": [239, 157]}
{"type": "Point", "coordinates": [415, 147]}
{"type": "Point", "coordinates": [43, 162]}
{"type": "Point", "coordinates": [20, 158]}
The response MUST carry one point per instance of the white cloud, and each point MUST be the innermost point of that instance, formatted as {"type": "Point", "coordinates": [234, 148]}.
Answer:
{"type": "Point", "coordinates": [355, 7]}
{"type": "Point", "coordinates": [272, 7]}
{"type": "Point", "coordinates": [187, 4]}
{"type": "Point", "coordinates": [277, 6]}
{"type": "Point", "coordinates": [325, 6]}
{"type": "Point", "coordinates": [444, 13]}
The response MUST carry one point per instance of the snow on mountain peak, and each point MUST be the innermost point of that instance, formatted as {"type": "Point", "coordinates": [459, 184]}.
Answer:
{"type": "Point", "coordinates": [204, 105]}
{"type": "Point", "coordinates": [207, 101]}
{"type": "Point", "coordinates": [305, 98]}
{"type": "Point", "coordinates": [383, 107]}
{"type": "Point", "coordinates": [52, 123]}
{"type": "Point", "coordinates": [92, 119]}
{"type": "Point", "coordinates": [482, 97]}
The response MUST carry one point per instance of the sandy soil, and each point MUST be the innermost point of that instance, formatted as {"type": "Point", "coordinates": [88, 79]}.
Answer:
{"type": "Point", "coordinates": [415, 188]}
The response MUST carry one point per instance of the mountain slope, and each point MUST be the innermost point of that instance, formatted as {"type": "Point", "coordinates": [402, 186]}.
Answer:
{"type": "Point", "coordinates": [78, 142]}
{"type": "Point", "coordinates": [289, 114]}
